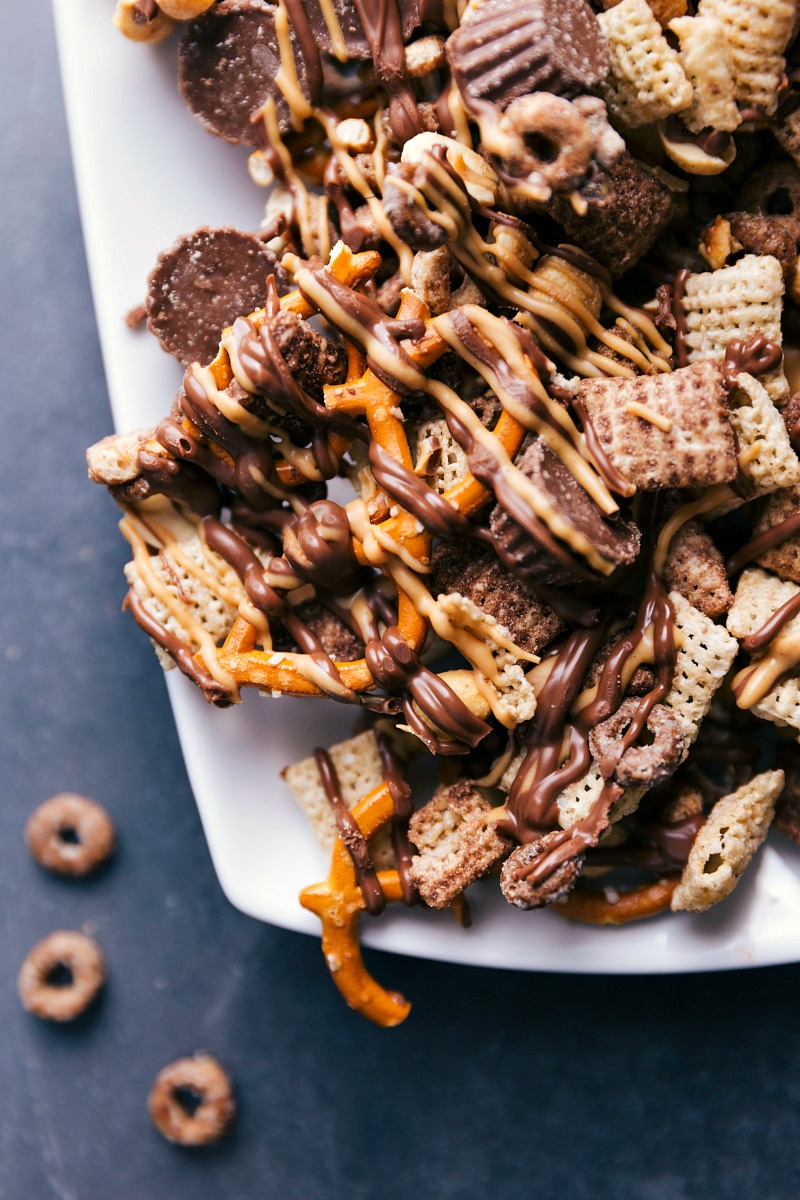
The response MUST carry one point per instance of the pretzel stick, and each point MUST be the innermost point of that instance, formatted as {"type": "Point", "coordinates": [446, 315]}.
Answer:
{"type": "Point", "coordinates": [338, 903]}
{"type": "Point", "coordinates": [595, 908]}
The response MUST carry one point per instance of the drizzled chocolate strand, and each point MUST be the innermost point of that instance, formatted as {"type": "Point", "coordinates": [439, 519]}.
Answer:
{"type": "Point", "coordinates": [250, 570]}
{"type": "Point", "coordinates": [403, 808]}
{"type": "Point", "coordinates": [763, 542]}
{"type": "Point", "coordinates": [399, 670]}
{"type": "Point", "coordinates": [771, 628]}
{"type": "Point", "coordinates": [214, 692]}
{"type": "Point", "coordinates": [352, 838]}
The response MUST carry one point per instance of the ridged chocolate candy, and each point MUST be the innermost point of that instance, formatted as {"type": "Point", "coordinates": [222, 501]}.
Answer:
{"type": "Point", "coordinates": [618, 542]}
{"type": "Point", "coordinates": [509, 48]}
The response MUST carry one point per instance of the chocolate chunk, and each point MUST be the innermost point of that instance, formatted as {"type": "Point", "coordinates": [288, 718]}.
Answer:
{"type": "Point", "coordinates": [504, 49]}
{"type": "Point", "coordinates": [481, 578]}
{"type": "Point", "coordinates": [619, 542]}
{"type": "Point", "coordinates": [405, 216]}
{"type": "Point", "coordinates": [638, 207]}
{"type": "Point", "coordinates": [760, 234]}
{"type": "Point", "coordinates": [228, 61]}
{"type": "Point", "coordinates": [664, 431]}
{"type": "Point", "coordinates": [202, 283]}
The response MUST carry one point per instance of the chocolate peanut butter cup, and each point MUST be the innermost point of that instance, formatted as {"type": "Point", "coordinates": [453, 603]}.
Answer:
{"type": "Point", "coordinates": [202, 283]}
{"type": "Point", "coordinates": [504, 49]}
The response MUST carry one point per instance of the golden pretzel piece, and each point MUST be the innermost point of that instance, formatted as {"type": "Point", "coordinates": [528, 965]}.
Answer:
{"type": "Point", "coordinates": [338, 903]}
{"type": "Point", "coordinates": [594, 908]}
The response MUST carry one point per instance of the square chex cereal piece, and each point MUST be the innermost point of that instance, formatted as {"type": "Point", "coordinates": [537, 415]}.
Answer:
{"type": "Point", "coordinates": [359, 767]}
{"type": "Point", "coordinates": [736, 302]}
{"type": "Point", "coordinates": [705, 652]}
{"type": "Point", "coordinates": [765, 451]}
{"type": "Point", "coordinates": [727, 842]}
{"type": "Point", "coordinates": [455, 843]}
{"type": "Point", "coordinates": [646, 81]}
{"type": "Point", "coordinates": [665, 431]}
{"type": "Point", "coordinates": [758, 596]}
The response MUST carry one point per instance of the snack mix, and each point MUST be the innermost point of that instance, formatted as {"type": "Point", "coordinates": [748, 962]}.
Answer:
{"type": "Point", "coordinates": [521, 292]}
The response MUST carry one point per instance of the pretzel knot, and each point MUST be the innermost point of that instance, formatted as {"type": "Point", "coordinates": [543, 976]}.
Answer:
{"type": "Point", "coordinates": [365, 394]}
{"type": "Point", "coordinates": [338, 902]}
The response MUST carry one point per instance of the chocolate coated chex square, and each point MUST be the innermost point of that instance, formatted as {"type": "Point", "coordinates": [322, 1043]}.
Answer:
{"type": "Point", "coordinates": [698, 450]}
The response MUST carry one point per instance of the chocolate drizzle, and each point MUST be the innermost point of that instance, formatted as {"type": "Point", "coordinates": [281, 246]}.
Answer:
{"type": "Point", "coordinates": [352, 838]}
{"type": "Point", "coordinates": [383, 26]}
{"type": "Point", "coordinates": [214, 692]}
{"type": "Point", "coordinates": [763, 542]}
{"type": "Point", "coordinates": [753, 357]}
{"type": "Point", "coordinates": [771, 628]}
{"type": "Point", "coordinates": [403, 808]}
{"type": "Point", "coordinates": [531, 805]}
{"type": "Point", "coordinates": [250, 570]}
{"type": "Point", "coordinates": [398, 670]}
{"type": "Point", "coordinates": [678, 289]}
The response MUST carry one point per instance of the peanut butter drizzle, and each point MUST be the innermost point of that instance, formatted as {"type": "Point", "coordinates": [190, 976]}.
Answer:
{"type": "Point", "coordinates": [364, 322]}
{"type": "Point", "coordinates": [445, 201]}
{"type": "Point", "coordinates": [351, 836]}
{"type": "Point", "coordinates": [763, 542]}
{"type": "Point", "coordinates": [754, 683]}
{"type": "Point", "coordinates": [265, 599]}
{"type": "Point", "coordinates": [212, 689]}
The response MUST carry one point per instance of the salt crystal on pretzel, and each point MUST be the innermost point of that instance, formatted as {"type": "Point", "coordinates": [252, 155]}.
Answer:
{"type": "Point", "coordinates": [739, 301]}
{"type": "Point", "coordinates": [664, 430]}
{"type": "Point", "coordinates": [707, 59]}
{"type": "Point", "coordinates": [704, 654]}
{"type": "Point", "coordinates": [455, 843]}
{"type": "Point", "coordinates": [757, 32]}
{"type": "Point", "coordinates": [726, 844]}
{"type": "Point", "coordinates": [758, 596]}
{"type": "Point", "coordinates": [359, 768]}
{"type": "Point", "coordinates": [646, 81]}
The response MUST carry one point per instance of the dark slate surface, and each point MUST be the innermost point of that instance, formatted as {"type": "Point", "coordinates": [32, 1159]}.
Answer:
{"type": "Point", "coordinates": [499, 1084]}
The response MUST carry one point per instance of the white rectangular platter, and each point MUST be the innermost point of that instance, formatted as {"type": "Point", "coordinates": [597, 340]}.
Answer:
{"type": "Point", "coordinates": [146, 173]}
